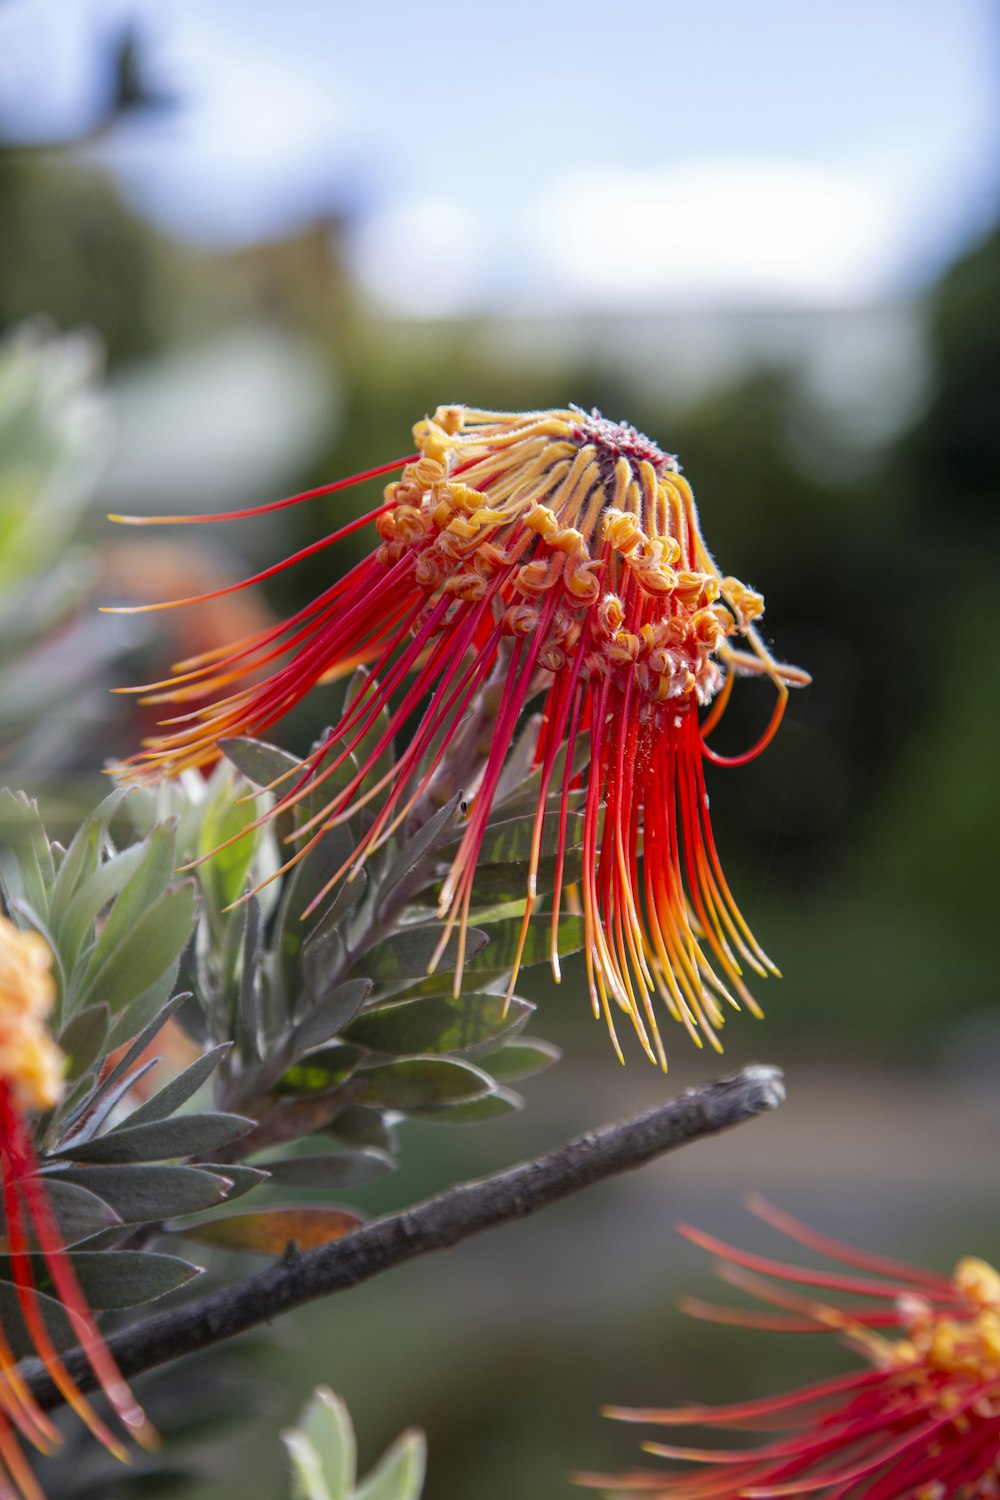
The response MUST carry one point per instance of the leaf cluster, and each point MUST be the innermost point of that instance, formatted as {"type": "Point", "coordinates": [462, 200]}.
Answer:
{"type": "Point", "coordinates": [117, 922]}
{"type": "Point", "coordinates": [343, 1017]}
{"type": "Point", "coordinates": [317, 1000]}
{"type": "Point", "coordinates": [323, 1454]}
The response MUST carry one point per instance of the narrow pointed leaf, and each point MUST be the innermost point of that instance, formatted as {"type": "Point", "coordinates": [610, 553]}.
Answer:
{"type": "Point", "coordinates": [135, 1050]}
{"type": "Point", "coordinates": [92, 896]}
{"type": "Point", "coordinates": [399, 1475]}
{"type": "Point", "coordinates": [249, 1024]}
{"type": "Point", "coordinates": [184, 1135]}
{"type": "Point", "coordinates": [115, 1278]}
{"type": "Point", "coordinates": [327, 1425]}
{"type": "Point", "coordinates": [140, 1011]}
{"type": "Point", "coordinates": [508, 841]}
{"type": "Point", "coordinates": [175, 1093]}
{"type": "Point", "coordinates": [240, 1178]}
{"type": "Point", "coordinates": [154, 942]}
{"type": "Point", "coordinates": [509, 882]}
{"type": "Point", "coordinates": [260, 762]}
{"type": "Point", "coordinates": [83, 853]}
{"type": "Point", "coordinates": [143, 1195]}
{"type": "Point", "coordinates": [224, 872]}
{"type": "Point", "coordinates": [82, 1040]}
{"type": "Point", "coordinates": [329, 1017]}
{"type": "Point", "coordinates": [324, 952]}
{"type": "Point", "coordinates": [142, 890]}
{"type": "Point", "coordinates": [79, 1213]}
{"type": "Point", "coordinates": [26, 868]}
{"type": "Point", "coordinates": [102, 1102]}
{"type": "Point", "coordinates": [272, 1230]}
{"type": "Point", "coordinates": [412, 850]}
{"type": "Point", "coordinates": [308, 1482]}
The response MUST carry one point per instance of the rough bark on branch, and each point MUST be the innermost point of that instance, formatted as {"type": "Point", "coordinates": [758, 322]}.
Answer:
{"type": "Point", "coordinates": [437, 1224]}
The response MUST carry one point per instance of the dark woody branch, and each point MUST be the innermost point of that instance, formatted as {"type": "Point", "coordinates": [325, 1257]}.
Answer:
{"type": "Point", "coordinates": [439, 1223]}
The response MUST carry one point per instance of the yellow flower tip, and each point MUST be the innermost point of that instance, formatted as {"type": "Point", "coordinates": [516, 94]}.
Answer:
{"type": "Point", "coordinates": [31, 1065]}
{"type": "Point", "coordinates": [978, 1281]}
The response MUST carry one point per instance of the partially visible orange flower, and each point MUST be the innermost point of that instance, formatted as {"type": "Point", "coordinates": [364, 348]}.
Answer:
{"type": "Point", "coordinates": [550, 558]}
{"type": "Point", "coordinates": [919, 1421]}
{"type": "Point", "coordinates": [31, 1078]}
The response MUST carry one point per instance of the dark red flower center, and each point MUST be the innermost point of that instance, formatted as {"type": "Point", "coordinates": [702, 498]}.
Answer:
{"type": "Point", "coordinates": [614, 440]}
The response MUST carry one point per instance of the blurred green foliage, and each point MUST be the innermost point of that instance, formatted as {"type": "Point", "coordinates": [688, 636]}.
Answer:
{"type": "Point", "coordinates": [323, 1454]}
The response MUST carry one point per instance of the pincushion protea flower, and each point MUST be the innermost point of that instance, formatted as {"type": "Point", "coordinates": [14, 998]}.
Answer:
{"type": "Point", "coordinates": [31, 1074]}
{"type": "Point", "coordinates": [921, 1420]}
{"type": "Point", "coordinates": [547, 556]}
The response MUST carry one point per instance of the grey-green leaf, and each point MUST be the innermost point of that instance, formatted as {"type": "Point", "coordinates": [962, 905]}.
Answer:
{"type": "Point", "coordinates": [184, 1135]}
{"type": "Point", "coordinates": [326, 1424]}
{"type": "Point", "coordinates": [142, 890]}
{"type": "Point", "coordinates": [439, 1023]}
{"type": "Point", "coordinates": [154, 942]}
{"type": "Point", "coordinates": [83, 852]}
{"type": "Point", "coordinates": [82, 1039]}
{"type": "Point", "coordinates": [116, 1278]}
{"type": "Point", "coordinates": [508, 841]}
{"type": "Point", "coordinates": [418, 1082]}
{"type": "Point", "coordinates": [260, 762]}
{"type": "Point", "coordinates": [504, 938]}
{"type": "Point", "coordinates": [321, 1071]}
{"type": "Point", "coordinates": [412, 851]}
{"type": "Point", "coordinates": [329, 1017]}
{"type": "Point", "coordinates": [409, 952]}
{"type": "Point", "coordinates": [399, 1474]}
{"type": "Point", "coordinates": [178, 1090]}
{"type": "Point", "coordinates": [335, 1169]}
{"type": "Point", "coordinates": [223, 871]}
{"type": "Point", "coordinates": [490, 1107]}
{"type": "Point", "coordinates": [92, 896]}
{"type": "Point", "coordinates": [78, 1212]}
{"type": "Point", "coordinates": [522, 1057]}
{"type": "Point", "coordinates": [141, 1195]}
{"type": "Point", "coordinates": [240, 1178]}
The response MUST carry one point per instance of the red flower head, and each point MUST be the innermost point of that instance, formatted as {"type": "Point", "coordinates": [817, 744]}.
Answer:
{"type": "Point", "coordinates": [543, 557]}
{"type": "Point", "coordinates": [921, 1419]}
{"type": "Point", "coordinates": [31, 1074]}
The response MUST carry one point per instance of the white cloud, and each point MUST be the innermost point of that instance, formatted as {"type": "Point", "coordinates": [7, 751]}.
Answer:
{"type": "Point", "coordinates": [423, 257]}
{"type": "Point", "coordinates": [736, 231]}
{"type": "Point", "coordinates": [742, 230]}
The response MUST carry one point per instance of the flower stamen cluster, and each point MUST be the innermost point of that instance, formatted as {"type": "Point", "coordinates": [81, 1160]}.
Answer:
{"type": "Point", "coordinates": [31, 1065]}
{"type": "Point", "coordinates": [551, 557]}
{"type": "Point", "coordinates": [920, 1422]}
{"type": "Point", "coordinates": [31, 1079]}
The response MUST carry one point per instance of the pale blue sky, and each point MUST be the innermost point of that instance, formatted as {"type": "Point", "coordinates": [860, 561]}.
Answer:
{"type": "Point", "coordinates": [630, 153]}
